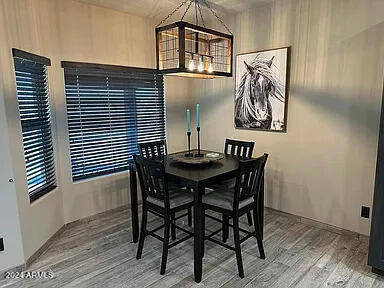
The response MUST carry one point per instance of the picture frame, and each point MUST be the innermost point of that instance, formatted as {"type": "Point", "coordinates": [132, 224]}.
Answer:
{"type": "Point", "coordinates": [261, 90]}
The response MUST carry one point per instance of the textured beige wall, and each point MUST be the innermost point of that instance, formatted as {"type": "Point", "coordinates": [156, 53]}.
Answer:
{"type": "Point", "coordinates": [323, 168]}
{"type": "Point", "coordinates": [72, 31]}
{"type": "Point", "coordinates": [10, 230]}
{"type": "Point", "coordinates": [25, 27]}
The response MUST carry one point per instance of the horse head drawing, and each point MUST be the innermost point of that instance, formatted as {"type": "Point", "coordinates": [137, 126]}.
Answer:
{"type": "Point", "coordinates": [257, 85]}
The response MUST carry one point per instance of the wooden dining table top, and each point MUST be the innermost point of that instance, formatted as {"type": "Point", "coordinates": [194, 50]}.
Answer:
{"type": "Point", "coordinates": [201, 173]}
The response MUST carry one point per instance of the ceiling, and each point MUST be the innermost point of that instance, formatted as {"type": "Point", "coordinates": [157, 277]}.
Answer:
{"type": "Point", "coordinates": [159, 9]}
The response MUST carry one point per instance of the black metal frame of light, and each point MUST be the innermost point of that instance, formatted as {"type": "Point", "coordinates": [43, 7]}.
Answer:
{"type": "Point", "coordinates": [181, 37]}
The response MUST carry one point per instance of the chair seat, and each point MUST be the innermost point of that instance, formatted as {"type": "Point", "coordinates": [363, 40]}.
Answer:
{"type": "Point", "coordinates": [223, 198]}
{"type": "Point", "coordinates": [177, 198]}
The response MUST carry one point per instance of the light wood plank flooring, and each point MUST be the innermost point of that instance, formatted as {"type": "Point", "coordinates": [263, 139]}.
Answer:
{"type": "Point", "coordinates": [100, 253]}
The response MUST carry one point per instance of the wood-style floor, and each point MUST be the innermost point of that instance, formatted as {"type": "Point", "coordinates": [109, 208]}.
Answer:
{"type": "Point", "coordinates": [100, 253]}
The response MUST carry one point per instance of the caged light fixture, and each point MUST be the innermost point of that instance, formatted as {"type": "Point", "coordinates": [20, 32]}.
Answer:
{"type": "Point", "coordinates": [190, 50]}
{"type": "Point", "coordinates": [200, 68]}
{"type": "Point", "coordinates": [191, 65]}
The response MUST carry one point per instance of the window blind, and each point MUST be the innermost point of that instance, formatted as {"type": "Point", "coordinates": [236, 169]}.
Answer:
{"type": "Point", "coordinates": [110, 110]}
{"type": "Point", "coordinates": [33, 99]}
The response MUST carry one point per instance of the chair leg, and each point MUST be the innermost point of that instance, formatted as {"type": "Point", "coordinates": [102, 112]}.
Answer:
{"type": "Point", "coordinates": [203, 229]}
{"type": "Point", "coordinates": [167, 225]}
{"type": "Point", "coordinates": [236, 234]}
{"type": "Point", "coordinates": [225, 228]}
{"type": "Point", "coordinates": [190, 217]}
{"type": "Point", "coordinates": [261, 248]}
{"type": "Point", "coordinates": [173, 227]}
{"type": "Point", "coordinates": [258, 234]}
{"type": "Point", "coordinates": [249, 217]}
{"type": "Point", "coordinates": [143, 233]}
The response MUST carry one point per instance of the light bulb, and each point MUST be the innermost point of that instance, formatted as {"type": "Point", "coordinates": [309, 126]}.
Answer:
{"type": "Point", "coordinates": [200, 67]}
{"type": "Point", "coordinates": [210, 68]}
{"type": "Point", "coordinates": [191, 65]}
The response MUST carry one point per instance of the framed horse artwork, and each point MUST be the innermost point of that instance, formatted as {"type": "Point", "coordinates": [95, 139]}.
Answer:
{"type": "Point", "coordinates": [262, 84]}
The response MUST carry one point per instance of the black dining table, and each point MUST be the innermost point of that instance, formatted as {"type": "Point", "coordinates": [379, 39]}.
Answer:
{"type": "Point", "coordinates": [197, 178]}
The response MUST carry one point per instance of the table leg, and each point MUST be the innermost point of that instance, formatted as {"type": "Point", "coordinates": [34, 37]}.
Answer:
{"type": "Point", "coordinates": [198, 233]}
{"type": "Point", "coordinates": [134, 205]}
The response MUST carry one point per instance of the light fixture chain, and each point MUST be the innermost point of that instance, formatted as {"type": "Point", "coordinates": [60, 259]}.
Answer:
{"type": "Point", "coordinates": [186, 10]}
{"type": "Point", "coordinates": [217, 17]}
{"type": "Point", "coordinates": [173, 12]}
{"type": "Point", "coordinates": [201, 15]}
{"type": "Point", "coordinates": [196, 18]}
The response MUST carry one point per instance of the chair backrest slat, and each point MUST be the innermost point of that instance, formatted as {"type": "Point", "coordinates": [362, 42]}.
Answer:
{"type": "Point", "coordinates": [238, 152]}
{"type": "Point", "coordinates": [241, 149]}
{"type": "Point", "coordinates": [249, 179]}
{"type": "Point", "coordinates": [233, 147]}
{"type": "Point", "coordinates": [152, 178]}
{"type": "Point", "coordinates": [154, 149]}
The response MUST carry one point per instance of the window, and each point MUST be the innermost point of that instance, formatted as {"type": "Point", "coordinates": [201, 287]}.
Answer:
{"type": "Point", "coordinates": [110, 110]}
{"type": "Point", "coordinates": [33, 98]}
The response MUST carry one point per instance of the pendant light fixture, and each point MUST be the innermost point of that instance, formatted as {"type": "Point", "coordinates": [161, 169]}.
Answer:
{"type": "Point", "coordinates": [200, 68]}
{"type": "Point", "coordinates": [190, 50]}
{"type": "Point", "coordinates": [191, 65]}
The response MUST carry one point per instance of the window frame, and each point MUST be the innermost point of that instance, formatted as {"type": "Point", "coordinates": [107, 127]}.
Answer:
{"type": "Point", "coordinates": [48, 154]}
{"type": "Point", "coordinates": [114, 69]}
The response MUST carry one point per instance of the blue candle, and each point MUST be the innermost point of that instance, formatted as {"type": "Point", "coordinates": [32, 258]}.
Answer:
{"type": "Point", "coordinates": [188, 120]}
{"type": "Point", "coordinates": [198, 115]}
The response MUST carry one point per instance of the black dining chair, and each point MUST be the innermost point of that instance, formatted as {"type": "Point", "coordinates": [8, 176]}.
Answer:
{"type": "Point", "coordinates": [157, 149]}
{"type": "Point", "coordinates": [235, 202]}
{"type": "Point", "coordinates": [153, 149]}
{"type": "Point", "coordinates": [161, 201]}
{"type": "Point", "coordinates": [243, 150]}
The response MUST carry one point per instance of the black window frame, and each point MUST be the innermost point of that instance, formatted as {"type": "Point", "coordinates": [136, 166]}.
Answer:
{"type": "Point", "coordinates": [124, 90]}
{"type": "Point", "coordinates": [31, 76]}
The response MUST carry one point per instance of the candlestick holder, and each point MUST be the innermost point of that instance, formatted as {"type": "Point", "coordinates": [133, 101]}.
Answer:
{"type": "Point", "coordinates": [199, 154]}
{"type": "Point", "coordinates": [189, 154]}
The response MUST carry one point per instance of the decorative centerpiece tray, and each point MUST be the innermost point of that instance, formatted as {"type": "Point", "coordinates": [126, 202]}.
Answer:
{"type": "Point", "coordinates": [207, 157]}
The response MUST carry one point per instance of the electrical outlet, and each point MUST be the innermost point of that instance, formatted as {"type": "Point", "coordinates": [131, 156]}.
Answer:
{"type": "Point", "coordinates": [365, 212]}
{"type": "Point", "coordinates": [1, 244]}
